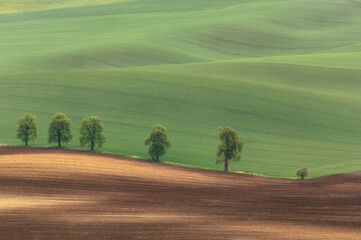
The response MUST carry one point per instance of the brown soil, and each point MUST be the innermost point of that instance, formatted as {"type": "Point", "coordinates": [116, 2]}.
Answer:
{"type": "Point", "coordinates": [54, 194]}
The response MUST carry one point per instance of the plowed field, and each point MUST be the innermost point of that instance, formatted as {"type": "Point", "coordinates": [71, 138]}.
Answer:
{"type": "Point", "coordinates": [56, 194]}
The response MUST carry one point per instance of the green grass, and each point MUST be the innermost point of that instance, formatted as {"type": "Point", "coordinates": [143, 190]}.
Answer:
{"type": "Point", "coordinates": [285, 74]}
{"type": "Point", "coordinates": [13, 6]}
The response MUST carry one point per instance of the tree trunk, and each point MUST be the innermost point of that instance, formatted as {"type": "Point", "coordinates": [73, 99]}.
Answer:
{"type": "Point", "coordinates": [92, 146]}
{"type": "Point", "coordinates": [226, 166]}
{"type": "Point", "coordinates": [26, 136]}
{"type": "Point", "coordinates": [302, 177]}
{"type": "Point", "coordinates": [156, 158]}
{"type": "Point", "coordinates": [59, 142]}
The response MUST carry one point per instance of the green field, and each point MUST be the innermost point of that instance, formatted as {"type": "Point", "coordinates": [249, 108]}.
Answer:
{"type": "Point", "coordinates": [285, 74]}
{"type": "Point", "coordinates": [14, 6]}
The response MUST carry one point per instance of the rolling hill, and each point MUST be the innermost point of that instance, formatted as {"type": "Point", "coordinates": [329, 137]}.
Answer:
{"type": "Point", "coordinates": [48, 194]}
{"type": "Point", "coordinates": [285, 74]}
{"type": "Point", "coordinates": [14, 6]}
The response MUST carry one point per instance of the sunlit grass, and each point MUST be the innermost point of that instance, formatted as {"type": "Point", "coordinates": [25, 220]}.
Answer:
{"type": "Point", "coordinates": [284, 74]}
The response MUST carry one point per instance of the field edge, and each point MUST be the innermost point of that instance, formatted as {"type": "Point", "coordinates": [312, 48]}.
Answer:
{"type": "Point", "coordinates": [141, 159]}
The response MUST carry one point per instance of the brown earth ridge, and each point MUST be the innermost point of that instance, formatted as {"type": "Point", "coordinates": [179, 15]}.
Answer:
{"type": "Point", "coordinates": [57, 194]}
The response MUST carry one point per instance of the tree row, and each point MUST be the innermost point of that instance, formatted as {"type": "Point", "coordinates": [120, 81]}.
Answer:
{"type": "Point", "coordinates": [91, 134]}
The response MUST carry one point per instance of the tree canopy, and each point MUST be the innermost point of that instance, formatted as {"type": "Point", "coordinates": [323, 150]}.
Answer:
{"type": "Point", "coordinates": [230, 146]}
{"type": "Point", "coordinates": [158, 142]}
{"type": "Point", "coordinates": [91, 132]}
{"type": "Point", "coordinates": [303, 172]}
{"type": "Point", "coordinates": [27, 128]}
{"type": "Point", "coordinates": [59, 129]}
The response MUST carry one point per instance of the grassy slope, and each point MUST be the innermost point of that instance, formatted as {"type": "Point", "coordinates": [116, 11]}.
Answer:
{"type": "Point", "coordinates": [285, 74]}
{"type": "Point", "coordinates": [14, 6]}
